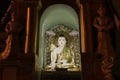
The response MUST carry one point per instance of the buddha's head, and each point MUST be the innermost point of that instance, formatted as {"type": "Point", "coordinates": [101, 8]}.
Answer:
{"type": "Point", "coordinates": [61, 40]}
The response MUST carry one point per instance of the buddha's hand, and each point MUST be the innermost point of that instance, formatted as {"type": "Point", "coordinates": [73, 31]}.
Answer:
{"type": "Point", "coordinates": [52, 65]}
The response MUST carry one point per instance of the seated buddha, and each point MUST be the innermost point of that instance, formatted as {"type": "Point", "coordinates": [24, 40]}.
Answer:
{"type": "Point", "coordinates": [61, 56]}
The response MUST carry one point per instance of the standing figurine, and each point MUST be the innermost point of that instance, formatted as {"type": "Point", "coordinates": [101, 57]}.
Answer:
{"type": "Point", "coordinates": [104, 24]}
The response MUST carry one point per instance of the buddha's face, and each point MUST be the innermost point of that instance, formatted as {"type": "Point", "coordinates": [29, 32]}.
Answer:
{"type": "Point", "coordinates": [61, 41]}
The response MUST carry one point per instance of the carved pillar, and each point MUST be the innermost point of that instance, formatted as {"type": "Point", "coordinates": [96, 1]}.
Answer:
{"type": "Point", "coordinates": [106, 56]}
{"type": "Point", "coordinates": [31, 25]}
{"type": "Point", "coordinates": [87, 57]}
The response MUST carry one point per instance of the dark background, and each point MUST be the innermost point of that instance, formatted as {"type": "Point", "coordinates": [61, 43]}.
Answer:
{"type": "Point", "coordinates": [4, 4]}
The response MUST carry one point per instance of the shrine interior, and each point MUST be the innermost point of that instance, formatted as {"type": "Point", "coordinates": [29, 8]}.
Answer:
{"type": "Point", "coordinates": [59, 40]}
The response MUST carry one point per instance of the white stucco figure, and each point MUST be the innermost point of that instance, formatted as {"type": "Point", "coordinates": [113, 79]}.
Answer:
{"type": "Point", "coordinates": [61, 56]}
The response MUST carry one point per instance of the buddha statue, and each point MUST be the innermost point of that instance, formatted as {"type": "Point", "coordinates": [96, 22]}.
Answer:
{"type": "Point", "coordinates": [61, 56]}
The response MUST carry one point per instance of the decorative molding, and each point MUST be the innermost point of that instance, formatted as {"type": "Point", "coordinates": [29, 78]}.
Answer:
{"type": "Point", "coordinates": [4, 22]}
{"type": "Point", "coordinates": [7, 50]}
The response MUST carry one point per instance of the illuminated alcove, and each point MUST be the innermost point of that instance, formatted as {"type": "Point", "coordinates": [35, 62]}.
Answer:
{"type": "Point", "coordinates": [58, 19]}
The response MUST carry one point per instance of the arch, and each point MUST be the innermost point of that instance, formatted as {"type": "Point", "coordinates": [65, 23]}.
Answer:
{"type": "Point", "coordinates": [54, 15]}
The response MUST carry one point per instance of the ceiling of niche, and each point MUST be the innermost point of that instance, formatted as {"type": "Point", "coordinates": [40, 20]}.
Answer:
{"type": "Point", "coordinates": [59, 14]}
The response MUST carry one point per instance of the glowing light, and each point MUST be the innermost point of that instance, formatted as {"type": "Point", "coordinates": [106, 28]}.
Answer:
{"type": "Point", "coordinates": [27, 30]}
{"type": "Point", "coordinates": [82, 29]}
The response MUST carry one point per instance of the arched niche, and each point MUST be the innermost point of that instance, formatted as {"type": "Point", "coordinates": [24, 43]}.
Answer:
{"type": "Point", "coordinates": [51, 19]}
